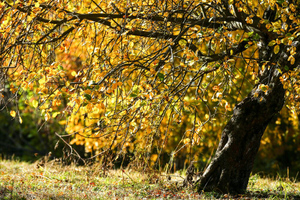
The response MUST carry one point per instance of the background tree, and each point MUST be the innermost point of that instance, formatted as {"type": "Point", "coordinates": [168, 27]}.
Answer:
{"type": "Point", "coordinates": [142, 68]}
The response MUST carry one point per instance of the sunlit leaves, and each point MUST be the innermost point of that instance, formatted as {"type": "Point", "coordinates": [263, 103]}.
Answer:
{"type": "Point", "coordinates": [291, 59]}
{"type": "Point", "coordinates": [35, 103]}
{"type": "Point", "coordinates": [13, 113]}
{"type": "Point", "coordinates": [47, 116]}
{"type": "Point", "coordinates": [263, 87]}
{"type": "Point", "coordinates": [133, 74]}
{"type": "Point", "coordinates": [73, 73]}
{"type": "Point", "coordinates": [37, 5]}
{"type": "Point", "coordinates": [276, 49]}
{"type": "Point", "coordinates": [20, 120]}
{"type": "Point", "coordinates": [182, 43]}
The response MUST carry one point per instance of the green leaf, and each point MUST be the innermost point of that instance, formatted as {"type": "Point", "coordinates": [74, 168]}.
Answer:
{"type": "Point", "coordinates": [220, 29]}
{"type": "Point", "coordinates": [143, 103]}
{"type": "Point", "coordinates": [280, 1]}
{"type": "Point", "coordinates": [256, 37]}
{"type": "Point", "coordinates": [286, 68]}
{"type": "Point", "coordinates": [291, 38]}
{"type": "Point", "coordinates": [288, 35]}
{"type": "Point", "coordinates": [59, 67]}
{"type": "Point", "coordinates": [250, 34]}
{"type": "Point", "coordinates": [88, 97]}
{"type": "Point", "coordinates": [161, 76]}
{"type": "Point", "coordinates": [135, 91]}
{"type": "Point", "coordinates": [133, 95]}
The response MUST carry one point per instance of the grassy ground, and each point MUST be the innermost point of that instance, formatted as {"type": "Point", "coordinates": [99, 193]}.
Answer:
{"type": "Point", "coordinates": [19, 180]}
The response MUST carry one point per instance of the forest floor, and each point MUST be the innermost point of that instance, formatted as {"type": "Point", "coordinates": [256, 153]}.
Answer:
{"type": "Point", "coordinates": [20, 180]}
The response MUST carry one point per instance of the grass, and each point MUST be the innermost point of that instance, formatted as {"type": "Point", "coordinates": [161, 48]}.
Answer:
{"type": "Point", "coordinates": [20, 180]}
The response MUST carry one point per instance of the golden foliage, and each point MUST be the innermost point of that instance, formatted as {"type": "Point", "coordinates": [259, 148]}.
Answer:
{"type": "Point", "coordinates": [142, 75]}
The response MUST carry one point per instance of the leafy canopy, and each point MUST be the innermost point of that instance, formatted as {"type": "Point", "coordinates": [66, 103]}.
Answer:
{"type": "Point", "coordinates": [144, 75]}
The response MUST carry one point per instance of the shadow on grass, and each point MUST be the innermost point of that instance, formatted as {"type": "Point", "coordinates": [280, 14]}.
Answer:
{"type": "Point", "coordinates": [8, 193]}
{"type": "Point", "coordinates": [253, 195]}
{"type": "Point", "coordinates": [272, 195]}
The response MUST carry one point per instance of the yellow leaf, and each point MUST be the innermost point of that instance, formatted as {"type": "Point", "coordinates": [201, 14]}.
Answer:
{"type": "Point", "coordinates": [44, 90]}
{"type": "Point", "coordinates": [77, 101]}
{"type": "Point", "coordinates": [276, 49]}
{"type": "Point", "coordinates": [13, 113]}
{"type": "Point", "coordinates": [114, 86]}
{"type": "Point", "coordinates": [63, 122]}
{"type": "Point", "coordinates": [55, 114]}
{"type": "Point", "coordinates": [263, 87]}
{"type": "Point", "coordinates": [154, 157]}
{"type": "Point", "coordinates": [113, 24]}
{"type": "Point", "coordinates": [35, 103]}
{"type": "Point", "coordinates": [42, 80]}
{"type": "Point", "coordinates": [88, 91]}
{"type": "Point", "coordinates": [186, 140]}
{"type": "Point", "coordinates": [279, 70]}
{"type": "Point", "coordinates": [102, 106]}
{"type": "Point", "coordinates": [182, 42]}
{"type": "Point", "coordinates": [47, 116]}
{"type": "Point", "coordinates": [292, 60]}
{"type": "Point", "coordinates": [109, 90]}
{"type": "Point", "coordinates": [20, 120]}
{"type": "Point", "coordinates": [272, 43]}
{"type": "Point", "coordinates": [73, 73]}
{"type": "Point", "coordinates": [219, 95]}
{"type": "Point", "coordinates": [9, 1]}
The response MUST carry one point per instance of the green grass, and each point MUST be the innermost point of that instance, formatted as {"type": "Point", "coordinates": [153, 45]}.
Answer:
{"type": "Point", "coordinates": [20, 180]}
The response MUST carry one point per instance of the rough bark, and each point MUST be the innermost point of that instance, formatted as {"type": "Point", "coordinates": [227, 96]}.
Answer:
{"type": "Point", "coordinates": [230, 169]}
{"type": "Point", "coordinates": [231, 166]}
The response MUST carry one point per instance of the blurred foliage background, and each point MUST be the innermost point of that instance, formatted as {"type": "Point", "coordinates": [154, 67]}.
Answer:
{"type": "Point", "coordinates": [32, 138]}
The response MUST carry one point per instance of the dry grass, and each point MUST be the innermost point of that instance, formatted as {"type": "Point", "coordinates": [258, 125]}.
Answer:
{"type": "Point", "coordinates": [19, 180]}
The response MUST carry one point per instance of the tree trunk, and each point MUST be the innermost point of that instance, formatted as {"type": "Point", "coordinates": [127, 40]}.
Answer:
{"type": "Point", "coordinates": [231, 166]}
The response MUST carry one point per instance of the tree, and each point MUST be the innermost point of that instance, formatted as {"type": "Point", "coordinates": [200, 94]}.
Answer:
{"type": "Point", "coordinates": [129, 71]}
